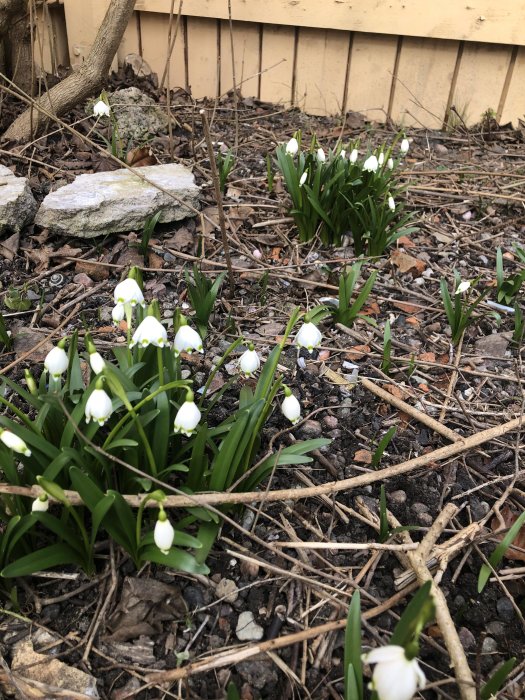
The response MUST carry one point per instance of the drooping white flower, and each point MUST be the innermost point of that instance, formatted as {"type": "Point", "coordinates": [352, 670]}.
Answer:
{"type": "Point", "coordinates": [390, 164]}
{"type": "Point", "coordinates": [188, 416]}
{"type": "Point", "coordinates": [40, 504]}
{"type": "Point", "coordinates": [98, 407]}
{"type": "Point", "coordinates": [118, 313]}
{"type": "Point", "coordinates": [395, 677]}
{"type": "Point", "coordinates": [303, 177]}
{"type": "Point", "coordinates": [56, 361]}
{"type": "Point", "coordinates": [343, 153]}
{"type": "Point", "coordinates": [150, 332]}
{"type": "Point", "coordinates": [391, 204]}
{"type": "Point", "coordinates": [290, 407]}
{"type": "Point", "coordinates": [354, 155]}
{"type": "Point", "coordinates": [14, 442]}
{"type": "Point", "coordinates": [128, 292]}
{"type": "Point", "coordinates": [101, 109]}
{"type": "Point", "coordinates": [321, 155]}
{"type": "Point", "coordinates": [97, 362]}
{"type": "Point", "coordinates": [292, 146]}
{"type": "Point", "coordinates": [371, 164]}
{"type": "Point", "coordinates": [164, 534]}
{"type": "Point", "coordinates": [381, 158]}
{"type": "Point", "coordinates": [187, 340]}
{"type": "Point", "coordinates": [462, 287]}
{"type": "Point", "coordinates": [308, 336]}
{"type": "Point", "coordinates": [249, 361]}
{"type": "Point", "coordinates": [404, 146]}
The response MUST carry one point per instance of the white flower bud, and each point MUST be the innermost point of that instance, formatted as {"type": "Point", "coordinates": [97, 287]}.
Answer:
{"type": "Point", "coordinates": [290, 407]}
{"type": "Point", "coordinates": [150, 332]}
{"type": "Point", "coordinates": [128, 292]}
{"type": "Point", "coordinates": [309, 337]}
{"type": "Point", "coordinates": [354, 155]}
{"type": "Point", "coordinates": [98, 407]}
{"type": "Point", "coordinates": [56, 362]}
{"type": "Point", "coordinates": [14, 442]}
{"type": "Point", "coordinates": [303, 177]}
{"type": "Point", "coordinates": [97, 362]}
{"type": "Point", "coordinates": [343, 153]}
{"type": "Point", "coordinates": [320, 155]}
{"type": "Point", "coordinates": [188, 416]}
{"type": "Point", "coordinates": [395, 677]}
{"type": "Point", "coordinates": [371, 164]}
{"type": "Point", "coordinates": [404, 146]}
{"type": "Point", "coordinates": [391, 204]}
{"type": "Point", "coordinates": [390, 164]}
{"type": "Point", "coordinates": [164, 534]}
{"type": "Point", "coordinates": [118, 313]}
{"type": "Point", "coordinates": [292, 147]}
{"type": "Point", "coordinates": [187, 340]}
{"type": "Point", "coordinates": [249, 362]}
{"type": "Point", "coordinates": [101, 109]}
{"type": "Point", "coordinates": [381, 158]}
{"type": "Point", "coordinates": [462, 287]}
{"type": "Point", "coordinates": [40, 504]}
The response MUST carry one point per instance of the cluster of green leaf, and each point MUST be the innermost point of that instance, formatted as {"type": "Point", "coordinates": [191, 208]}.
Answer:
{"type": "Point", "coordinates": [135, 452]}
{"type": "Point", "coordinates": [508, 287]}
{"type": "Point", "coordinates": [334, 196]}
{"type": "Point", "coordinates": [460, 311]}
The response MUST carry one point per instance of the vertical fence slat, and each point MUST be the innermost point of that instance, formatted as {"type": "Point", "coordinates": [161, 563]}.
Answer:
{"type": "Point", "coordinates": [321, 70]}
{"type": "Point", "coordinates": [247, 59]}
{"type": "Point", "coordinates": [371, 66]}
{"type": "Point", "coordinates": [277, 64]}
{"type": "Point", "coordinates": [515, 102]}
{"type": "Point", "coordinates": [154, 32]}
{"type": "Point", "coordinates": [130, 41]}
{"type": "Point", "coordinates": [425, 71]}
{"type": "Point", "coordinates": [202, 57]}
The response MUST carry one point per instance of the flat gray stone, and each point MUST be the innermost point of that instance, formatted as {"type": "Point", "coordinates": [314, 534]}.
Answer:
{"type": "Point", "coordinates": [117, 201]}
{"type": "Point", "coordinates": [17, 204]}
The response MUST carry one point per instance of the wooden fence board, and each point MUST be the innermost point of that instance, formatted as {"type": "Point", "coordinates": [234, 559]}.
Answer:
{"type": "Point", "coordinates": [203, 68]}
{"type": "Point", "coordinates": [320, 82]}
{"type": "Point", "coordinates": [489, 21]}
{"type": "Point", "coordinates": [131, 41]}
{"type": "Point", "coordinates": [423, 81]}
{"type": "Point", "coordinates": [514, 106]}
{"type": "Point", "coordinates": [154, 36]}
{"type": "Point", "coordinates": [277, 64]}
{"type": "Point", "coordinates": [485, 66]}
{"type": "Point", "coordinates": [246, 50]}
{"type": "Point", "coordinates": [371, 69]}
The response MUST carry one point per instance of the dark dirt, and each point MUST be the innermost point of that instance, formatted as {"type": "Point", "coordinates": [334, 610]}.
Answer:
{"type": "Point", "coordinates": [458, 184]}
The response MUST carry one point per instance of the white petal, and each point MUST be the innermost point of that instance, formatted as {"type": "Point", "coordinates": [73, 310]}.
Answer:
{"type": "Point", "coordinates": [128, 292]}
{"type": "Point", "coordinates": [404, 146]}
{"type": "Point", "coordinates": [371, 164]}
{"type": "Point", "coordinates": [303, 178]}
{"type": "Point", "coordinates": [14, 443]}
{"type": "Point", "coordinates": [390, 652]}
{"type": "Point", "coordinates": [187, 418]}
{"type": "Point", "coordinates": [186, 340]}
{"type": "Point", "coordinates": [249, 362]}
{"type": "Point", "coordinates": [101, 109]}
{"type": "Point", "coordinates": [98, 407]}
{"type": "Point", "coordinates": [381, 158]}
{"type": "Point", "coordinates": [118, 313]}
{"type": "Point", "coordinates": [309, 336]}
{"type": "Point", "coordinates": [395, 680]}
{"type": "Point", "coordinates": [150, 331]}
{"type": "Point", "coordinates": [40, 506]}
{"type": "Point", "coordinates": [163, 535]}
{"type": "Point", "coordinates": [292, 146]}
{"type": "Point", "coordinates": [320, 155]}
{"type": "Point", "coordinates": [56, 361]}
{"type": "Point", "coordinates": [354, 155]}
{"type": "Point", "coordinates": [97, 363]}
{"type": "Point", "coordinates": [462, 287]}
{"type": "Point", "coordinates": [391, 204]}
{"type": "Point", "coordinates": [291, 408]}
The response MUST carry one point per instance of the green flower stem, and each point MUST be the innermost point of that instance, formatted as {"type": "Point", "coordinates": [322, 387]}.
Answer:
{"type": "Point", "coordinates": [140, 429]}
{"type": "Point", "coordinates": [158, 496]}
{"type": "Point", "coordinates": [160, 365]}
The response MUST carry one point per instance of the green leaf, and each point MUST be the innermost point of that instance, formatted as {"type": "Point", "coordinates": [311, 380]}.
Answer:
{"type": "Point", "coordinates": [176, 559]}
{"type": "Point", "coordinates": [383, 444]}
{"type": "Point", "coordinates": [124, 442]}
{"type": "Point", "coordinates": [498, 554]}
{"type": "Point", "coordinates": [418, 612]}
{"type": "Point", "coordinates": [492, 686]}
{"type": "Point", "coordinates": [353, 673]}
{"type": "Point", "coordinates": [55, 555]}
{"type": "Point", "coordinates": [99, 513]}
{"type": "Point", "coordinates": [54, 490]}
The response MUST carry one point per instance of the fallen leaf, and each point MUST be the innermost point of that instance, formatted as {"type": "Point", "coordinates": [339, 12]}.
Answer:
{"type": "Point", "coordinates": [357, 352]}
{"type": "Point", "coordinates": [363, 457]}
{"type": "Point", "coordinates": [406, 242]}
{"type": "Point", "coordinates": [9, 247]}
{"type": "Point", "coordinates": [427, 357]}
{"type": "Point", "coordinates": [67, 251]}
{"type": "Point", "coordinates": [155, 261]}
{"type": "Point", "coordinates": [407, 263]}
{"type": "Point", "coordinates": [335, 377]}
{"type": "Point", "coordinates": [407, 307]}
{"type": "Point", "coordinates": [413, 321]}
{"type": "Point", "coordinates": [424, 387]}
{"type": "Point", "coordinates": [516, 551]}
{"type": "Point", "coordinates": [398, 392]}
{"type": "Point", "coordinates": [372, 309]}
{"type": "Point", "coordinates": [140, 157]}
{"type": "Point", "coordinates": [183, 240]}
{"type": "Point", "coordinates": [88, 267]}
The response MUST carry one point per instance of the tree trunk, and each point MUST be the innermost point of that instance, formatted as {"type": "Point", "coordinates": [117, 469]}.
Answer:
{"type": "Point", "coordinates": [19, 51]}
{"type": "Point", "coordinates": [86, 81]}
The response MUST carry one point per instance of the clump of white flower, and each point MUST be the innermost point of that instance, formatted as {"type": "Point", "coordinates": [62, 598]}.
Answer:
{"type": "Point", "coordinates": [371, 164]}
{"type": "Point", "coordinates": [101, 109]}
{"type": "Point", "coordinates": [150, 332]}
{"type": "Point", "coordinates": [186, 339]}
{"type": "Point", "coordinates": [128, 292]}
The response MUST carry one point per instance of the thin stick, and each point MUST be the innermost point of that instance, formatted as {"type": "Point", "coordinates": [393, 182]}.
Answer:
{"type": "Point", "coordinates": [218, 197]}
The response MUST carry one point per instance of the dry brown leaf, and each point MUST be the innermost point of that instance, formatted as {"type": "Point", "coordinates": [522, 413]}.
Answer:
{"type": "Point", "coordinates": [427, 357]}
{"type": "Point", "coordinates": [39, 256]}
{"type": "Point", "coordinates": [140, 157]}
{"type": "Point", "coordinates": [9, 247]}
{"type": "Point", "coordinates": [407, 263]}
{"type": "Point", "coordinates": [363, 457]}
{"type": "Point", "coordinates": [335, 377]}
{"type": "Point", "coordinates": [406, 242]}
{"type": "Point", "coordinates": [516, 551]}
{"type": "Point", "coordinates": [183, 240]}
{"type": "Point", "coordinates": [406, 307]}
{"type": "Point", "coordinates": [67, 251]}
{"type": "Point", "coordinates": [357, 352]}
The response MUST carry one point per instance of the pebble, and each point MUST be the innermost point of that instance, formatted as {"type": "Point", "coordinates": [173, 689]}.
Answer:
{"type": "Point", "coordinates": [185, 374]}
{"type": "Point", "coordinates": [425, 519]}
{"type": "Point", "coordinates": [467, 639]}
{"type": "Point", "coordinates": [83, 279]}
{"type": "Point", "coordinates": [479, 509]}
{"type": "Point", "coordinates": [247, 629]}
{"type": "Point", "coordinates": [193, 596]}
{"type": "Point", "coordinates": [227, 589]}
{"type": "Point", "coordinates": [419, 508]}
{"type": "Point", "coordinates": [489, 646]}
{"type": "Point", "coordinates": [496, 628]}
{"type": "Point", "coordinates": [330, 422]}
{"type": "Point", "coordinates": [505, 609]}
{"type": "Point", "coordinates": [440, 149]}
{"type": "Point", "coordinates": [397, 497]}
{"type": "Point", "coordinates": [311, 429]}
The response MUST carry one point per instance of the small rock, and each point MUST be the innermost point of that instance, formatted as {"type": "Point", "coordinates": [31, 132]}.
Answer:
{"type": "Point", "coordinates": [227, 589]}
{"type": "Point", "coordinates": [311, 429]}
{"type": "Point", "coordinates": [440, 149]}
{"type": "Point", "coordinates": [494, 345]}
{"type": "Point", "coordinates": [505, 609]}
{"type": "Point", "coordinates": [397, 497]}
{"type": "Point", "coordinates": [479, 509]}
{"type": "Point", "coordinates": [467, 639]}
{"type": "Point", "coordinates": [138, 65]}
{"type": "Point", "coordinates": [17, 204]}
{"type": "Point", "coordinates": [83, 279]}
{"type": "Point", "coordinates": [425, 519]}
{"type": "Point", "coordinates": [249, 569]}
{"type": "Point", "coordinates": [419, 508]}
{"type": "Point", "coordinates": [247, 629]}
{"type": "Point", "coordinates": [330, 422]}
{"type": "Point", "coordinates": [489, 646]}
{"type": "Point", "coordinates": [258, 672]}
{"type": "Point", "coordinates": [193, 596]}
{"type": "Point", "coordinates": [496, 628]}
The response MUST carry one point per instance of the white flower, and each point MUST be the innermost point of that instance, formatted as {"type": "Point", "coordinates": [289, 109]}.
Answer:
{"type": "Point", "coordinates": [249, 362]}
{"type": "Point", "coordinates": [303, 178]}
{"type": "Point", "coordinates": [101, 109]}
{"type": "Point", "coordinates": [394, 677]}
{"type": "Point", "coordinates": [371, 164]}
{"type": "Point", "coordinates": [381, 158]}
{"type": "Point", "coordinates": [354, 155]}
{"type": "Point", "coordinates": [40, 504]}
{"type": "Point", "coordinates": [391, 204]}
{"type": "Point", "coordinates": [118, 313]}
{"type": "Point", "coordinates": [291, 407]}
{"type": "Point", "coordinates": [343, 153]}
{"type": "Point", "coordinates": [14, 442]}
{"type": "Point", "coordinates": [98, 407]}
{"type": "Point", "coordinates": [320, 155]}
{"type": "Point", "coordinates": [188, 416]}
{"type": "Point", "coordinates": [128, 292]}
{"type": "Point", "coordinates": [56, 361]}
{"type": "Point", "coordinates": [187, 340]}
{"type": "Point", "coordinates": [390, 164]}
{"type": "Point", "coordinates": [292, 146]}
{"type": "Point", "coordinates": [404, 146]}
{"type": "Point", "coordinates": [150, 331]}
{"type": "Point", "coordinates": [97, 363]}
{"type": "Point", "coordinates": [164, 533]}
{"type": "Point", "coordinates": [309, 336]}
{"type": "Point", "coordinates": [462, 287]}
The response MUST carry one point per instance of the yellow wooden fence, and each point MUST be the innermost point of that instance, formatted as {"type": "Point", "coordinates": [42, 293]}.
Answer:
{"type": "Point", "coordinates": [404, 60]}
